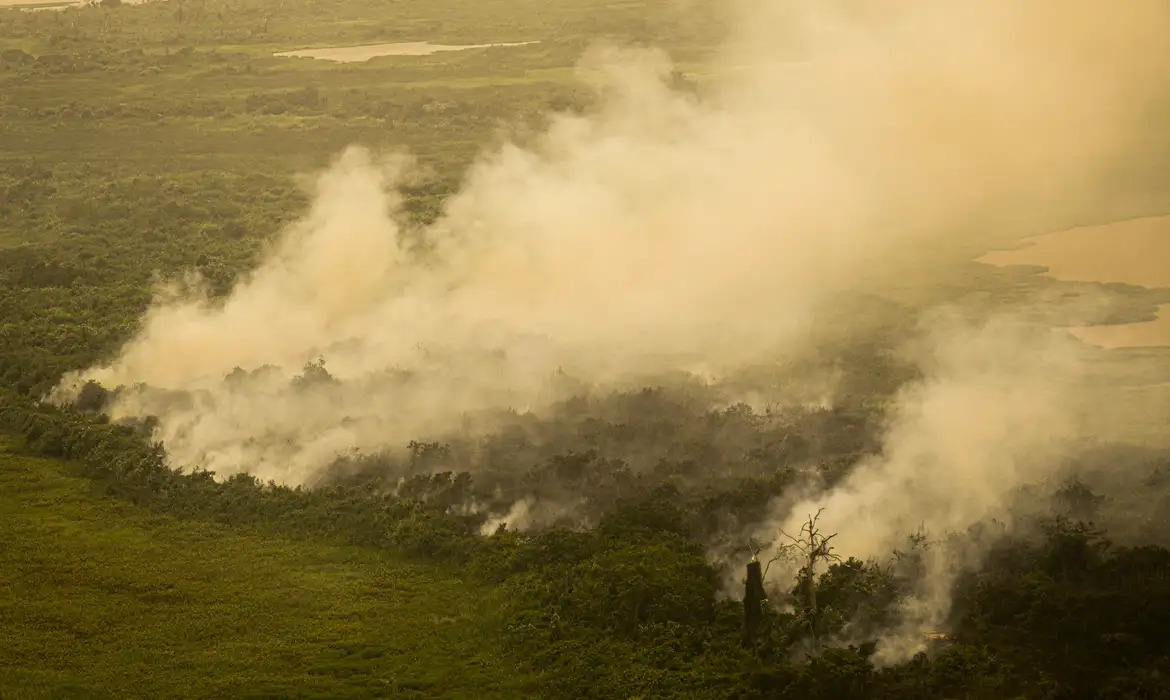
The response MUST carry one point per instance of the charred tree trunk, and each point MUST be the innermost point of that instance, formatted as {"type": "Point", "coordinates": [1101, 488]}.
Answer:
{"type": "Point", "coordinates": [753, 601]}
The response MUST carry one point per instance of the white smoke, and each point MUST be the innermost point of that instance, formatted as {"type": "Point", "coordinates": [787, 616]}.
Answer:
{"type": "Point", "coordinates": [664, 231]}
{"type": "Point", "coordinates": [996, 408]}
{"type": "Point", "coordinates": [841, 146]}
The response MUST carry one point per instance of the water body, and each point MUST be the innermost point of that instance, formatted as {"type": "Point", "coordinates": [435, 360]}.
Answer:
{"type": "Point", "coordinates": [357, 54]}
{"type": "Point", "coordinates": [1129, 252]}
{"type": "Point", "coordinates": [34, 5]}
{"type": "Point", "coordinates": [1130, 335]}
{"type": "Point", "coordinates": [39, 5]}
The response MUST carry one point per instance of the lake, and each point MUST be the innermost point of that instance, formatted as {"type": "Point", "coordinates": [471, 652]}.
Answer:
{"type": "Point", "coordinates": [1129, 252]}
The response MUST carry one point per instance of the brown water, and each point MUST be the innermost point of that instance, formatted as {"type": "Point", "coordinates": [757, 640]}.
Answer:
{"type": "Point", "coordinates": [1129, 335]}
{"type": "Point", "coordinates": [33, 5]}
{"type": "Point", "coordinates": [38, 5]}
{"type": "Point", "coordinates": [1129, 252]}
{"type": "Point", "coordinates": [357, 54]}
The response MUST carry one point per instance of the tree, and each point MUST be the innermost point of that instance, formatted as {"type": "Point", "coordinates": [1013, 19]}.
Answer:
{"type": "Point", "coordinates": [1077, 501]}
{"type": "Point", "coordinates": [810, 547]}
{"type": "Point", "coordinates": [92, 397]}
{"type": "Point", "coordinates": [754, 598]}
{"type": "Point", "coordinates": [314, 374]}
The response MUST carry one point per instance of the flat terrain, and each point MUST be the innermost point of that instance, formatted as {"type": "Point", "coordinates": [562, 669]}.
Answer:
{"type": "Point", "coordinates": [103, 600]}
{"type": "Point", "coordinates": [364, 52]}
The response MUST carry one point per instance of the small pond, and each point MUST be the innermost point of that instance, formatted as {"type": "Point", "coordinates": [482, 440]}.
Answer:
{"type": "Point", "coordinates": [357, 54]}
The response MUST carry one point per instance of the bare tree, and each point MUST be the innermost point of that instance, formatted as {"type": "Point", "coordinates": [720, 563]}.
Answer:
{"type": "Point", "coordinates": [810, 547]}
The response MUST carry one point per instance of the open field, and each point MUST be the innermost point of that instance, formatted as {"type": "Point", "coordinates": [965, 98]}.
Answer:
{"type": "Point", "coordinates": [102, 599]}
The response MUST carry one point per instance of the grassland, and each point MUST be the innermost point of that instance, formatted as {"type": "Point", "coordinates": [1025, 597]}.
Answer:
{"type": "Point", "coordinates": [105, 600]}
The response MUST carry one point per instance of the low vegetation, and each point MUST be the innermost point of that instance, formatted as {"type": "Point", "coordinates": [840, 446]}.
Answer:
{"type": "Point", "coordinates": [103, 599]}
{"type": "Point", "coordinates": [630, 607]}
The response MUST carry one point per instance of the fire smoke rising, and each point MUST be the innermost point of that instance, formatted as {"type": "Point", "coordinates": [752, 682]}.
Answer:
{"type": "Point", "coordinates": [840, 145]}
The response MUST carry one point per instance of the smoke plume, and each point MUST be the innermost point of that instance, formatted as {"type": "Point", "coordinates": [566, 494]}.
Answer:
{"type": "Point", "coordinates": [994, 409]}
{"type": "Point", "coordinates": [836, 147]}
{"type": "Point", "coordinates": [839, 145]}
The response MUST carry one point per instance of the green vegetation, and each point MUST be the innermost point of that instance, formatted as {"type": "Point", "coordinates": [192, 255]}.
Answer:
{"type": "Point", "coordinates": [141, 142]}
{"type": "Point", "coordinates": [104, 599]}
{"type": "Point", "coordinates": [629, 608]}
{"type": "Point", "coordinates": [160, 138]}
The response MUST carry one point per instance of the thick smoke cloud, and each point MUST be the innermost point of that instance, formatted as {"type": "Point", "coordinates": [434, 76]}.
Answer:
{"type": "Point", "coordinates": [996, 408]}
{"type": "Point", "coordinates": [839, 147]}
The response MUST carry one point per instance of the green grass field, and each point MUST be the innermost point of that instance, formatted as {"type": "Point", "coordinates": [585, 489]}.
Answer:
{"type": "Point", "coordinates": [103, 600]}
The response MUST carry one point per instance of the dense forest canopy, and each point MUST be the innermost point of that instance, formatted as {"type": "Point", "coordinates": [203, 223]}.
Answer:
{"type": "Point", "coordinates": [662, 325]}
